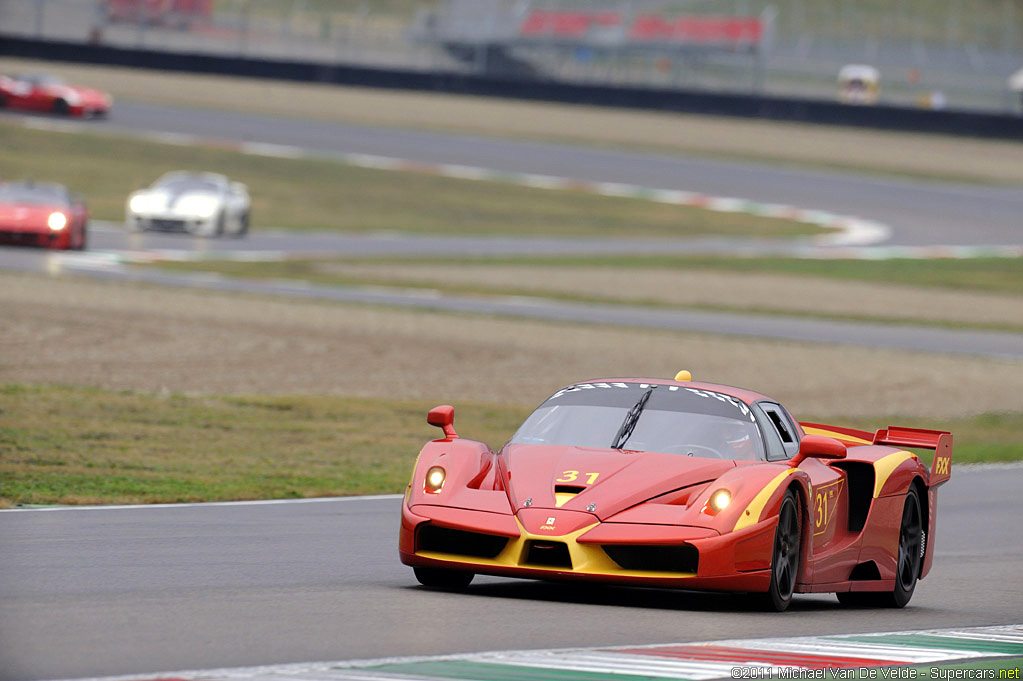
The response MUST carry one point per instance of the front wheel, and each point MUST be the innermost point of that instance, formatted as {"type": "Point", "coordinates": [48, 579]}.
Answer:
{"type": "Point", "coordinates": [785, 558]}
{"type": "Point", "coordinates": [439, 578]}
{"type": "Point", "coordinates": [61, 107]}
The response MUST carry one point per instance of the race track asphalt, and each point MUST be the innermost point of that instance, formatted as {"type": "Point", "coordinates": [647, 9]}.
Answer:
{"type": "Point", "coordinates": [126, 591]}
{"type": "Point", "coordinates": [919, 212]}
{"type": "Point", "coordinates": [937, 339]}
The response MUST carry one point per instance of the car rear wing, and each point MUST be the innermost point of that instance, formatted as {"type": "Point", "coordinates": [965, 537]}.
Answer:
{"type": "Point", "coordinates": [938, 440]}
{"type": "Point", "coordinates": [896, 436]}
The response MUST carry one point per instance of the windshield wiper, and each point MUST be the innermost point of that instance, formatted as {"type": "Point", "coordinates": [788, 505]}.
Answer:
{"type": "Point", "coordinates": [631, 419]}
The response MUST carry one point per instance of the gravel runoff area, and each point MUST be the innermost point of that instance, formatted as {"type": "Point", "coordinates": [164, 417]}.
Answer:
{"type": "Point", "coordinates": [792, 294]}
{"type": "Point", "coordinates": [790, 143]}
{"type": "Point", "coordinates": [69, 331]}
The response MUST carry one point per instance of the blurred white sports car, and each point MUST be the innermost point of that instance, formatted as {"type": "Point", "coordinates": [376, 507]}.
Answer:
{"type": "Point", "coordinates": [204, 204]}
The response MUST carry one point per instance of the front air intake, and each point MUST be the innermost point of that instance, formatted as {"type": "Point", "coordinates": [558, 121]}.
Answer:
{"type": "Point", "coordinates": [684, 558]}
{"type": "Point", "coordinates": [548, 554]}
{"type": "Point", "coordinates": [459, 542]}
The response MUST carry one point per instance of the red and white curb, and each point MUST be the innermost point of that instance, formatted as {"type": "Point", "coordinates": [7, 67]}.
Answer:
{"type": "Point", "coordinates": [802, 657]}
{"type": "Point", "coordinates": [844, 230]}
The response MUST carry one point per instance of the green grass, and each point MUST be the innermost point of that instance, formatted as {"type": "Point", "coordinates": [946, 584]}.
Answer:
{"type": "Point", "coordinates": [993, 275]}
{"type": "Point", "coordinates": [327, 195]}
{"type": "Point", "coordinates": [84, 445]}
{"type": "Point", "coordinates": [74, 445]}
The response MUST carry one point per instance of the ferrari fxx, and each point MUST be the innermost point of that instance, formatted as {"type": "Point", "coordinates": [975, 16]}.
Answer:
{"type": "Point", "coordinates": [675, 483]}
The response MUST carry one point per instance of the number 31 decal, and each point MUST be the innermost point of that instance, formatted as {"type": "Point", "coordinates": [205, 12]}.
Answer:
{"type": "Point", "coordinates": [572, 476]}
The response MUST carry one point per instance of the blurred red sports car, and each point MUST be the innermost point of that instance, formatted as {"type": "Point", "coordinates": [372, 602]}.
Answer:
{"type": "Point", "coordinates": [42, 214]}
{"type": "Point", "coordinates": [51, 95]}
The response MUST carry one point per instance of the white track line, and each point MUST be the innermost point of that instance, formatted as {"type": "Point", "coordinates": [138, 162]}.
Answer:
{"type": "Point", "coordinates": [203, 504]}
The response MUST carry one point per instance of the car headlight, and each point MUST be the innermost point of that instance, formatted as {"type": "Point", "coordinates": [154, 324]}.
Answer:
{"type": "Point", "coordinates": [140, 203]}
{"type": "Point", "coordinates": [200, 206]}
{"type": "Point", "coordinates": [435, 479]}
{"type": "Point", "coordinates": [719, 501]}
{"type": "Point", "coordinates": [57, 221]}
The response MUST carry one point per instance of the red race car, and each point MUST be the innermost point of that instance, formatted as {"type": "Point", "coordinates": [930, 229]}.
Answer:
{"type": "Point", "coordinates": [43, 215]}
{"type": "Point", "coordinates": [678, 484]}
{"type": "Point", "coordinates": [48, 94]}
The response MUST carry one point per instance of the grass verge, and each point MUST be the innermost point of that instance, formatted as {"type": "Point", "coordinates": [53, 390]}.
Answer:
{"type": "Point", "coordinates": [997, 275]}
{"type": "Point", "coordinates": [327, 195]}
{"type": "Point", "coordinates": [74, 445]}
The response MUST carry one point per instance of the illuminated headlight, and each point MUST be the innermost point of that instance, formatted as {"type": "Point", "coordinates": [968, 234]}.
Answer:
{"type": "Point", "coordinates": [57, 221]}
{"type": "Point", "coordinates": [435, 479]}
{"type": "Point", "coordinates": [141, 203]}
{"type": "Point", "coordinates": [719, 500]}
{"type": "Point", "coordinates": [200, 206]}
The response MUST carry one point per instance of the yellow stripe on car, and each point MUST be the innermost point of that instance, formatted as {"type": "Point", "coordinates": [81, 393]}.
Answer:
{"type": "Point", "coordinates": [809, 430]}
{"type": "Point", "coordinates": [751, 515]}
{"type": "Point", "coordinates": [884, 467]}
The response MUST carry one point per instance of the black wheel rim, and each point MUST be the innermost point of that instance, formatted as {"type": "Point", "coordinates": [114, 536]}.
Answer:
{"type": "Point", "coordinates": [786, 551]}
{"type": "Point", "coordinates": [910, 539]}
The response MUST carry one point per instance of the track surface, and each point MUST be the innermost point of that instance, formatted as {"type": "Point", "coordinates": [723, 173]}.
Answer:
{"type": "Point", "coordinates": [89, 592]}
{"type": "Point", "coordinates": [920, 213]}
{"type": "Point", "coordinates": [1005, 345]}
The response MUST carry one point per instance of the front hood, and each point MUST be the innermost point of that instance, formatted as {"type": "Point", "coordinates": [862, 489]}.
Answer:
{"type": "Point", "coordinates": [25, 215]}
{"type": "Point", "coordinates": [81, 96]}
{"type": "Point", "coordinates": [604, 481]}
{"type": "Point", "coordinates": [159, 202]}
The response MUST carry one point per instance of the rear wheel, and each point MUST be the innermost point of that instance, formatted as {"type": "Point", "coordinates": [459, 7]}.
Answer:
{"type": "Point", "coordinates": [439, 578]}
{"type": "Point", "coordinates": [785, 558]}
{"type": "Point", "coordinates": [61, 107]}
{"type": "Point", "coordinates": [911, 542]}
{"type": "Point", "coordinates": [78, 242]}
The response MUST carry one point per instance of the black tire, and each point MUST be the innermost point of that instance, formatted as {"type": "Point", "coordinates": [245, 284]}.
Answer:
{"type": "Point", "coordinates": [61, 107]}
{"type": "Point", "coordinates": [221, 222]}
{"type": "Point", "coordinates": [911, 537]}
{"type": "Point", "coordinates": [439, 578]}
{"type": "Point", "coordinates": [243, 226]}
{"type": "Point", "coordinates": [3, 101]}
{"type": "Point", "coordinates": [909, 560]}
{"type": "Point", "coordinates": [82, 240]}
{"type": "Point", "coordinates": [785, 556]}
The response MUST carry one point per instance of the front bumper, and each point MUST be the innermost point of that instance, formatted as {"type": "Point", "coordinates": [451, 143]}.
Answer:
{"type": "Point", "coordinates": [172, 223]}
{"type": "Point", "coordinates": [652, 555]}
{"type": "Point", "coordinates": [45, 238]}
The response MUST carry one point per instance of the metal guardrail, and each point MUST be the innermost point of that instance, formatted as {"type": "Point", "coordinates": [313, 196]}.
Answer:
{"type": "Point", "coordinates": [968, 123]}
{"type": "Point", "coordinates": [957, 53]}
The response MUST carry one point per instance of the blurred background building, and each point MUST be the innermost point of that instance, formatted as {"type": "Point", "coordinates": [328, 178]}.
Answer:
{"type": "Point", "coordinates": [956, 53]}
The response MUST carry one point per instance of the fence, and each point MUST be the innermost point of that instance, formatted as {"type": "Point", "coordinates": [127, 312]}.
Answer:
{"type": "Point", "coordinates": [963, 49]}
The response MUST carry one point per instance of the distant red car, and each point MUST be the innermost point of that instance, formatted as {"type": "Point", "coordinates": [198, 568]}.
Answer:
{"type": "Point", "coordinates": [680, 484]}
{"type": "Point", "coordinates": [42, 214]}
{"type": "Point", "coordinates": [52, 95]}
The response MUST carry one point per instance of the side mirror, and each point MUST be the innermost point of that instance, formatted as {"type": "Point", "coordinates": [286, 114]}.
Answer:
{"type": "Point", "coordinates": [443, 417]}
{"type": "Point", "coordinates": [818, 447]}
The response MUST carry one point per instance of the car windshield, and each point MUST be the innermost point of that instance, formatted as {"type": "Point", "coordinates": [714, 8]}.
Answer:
{"type": "Point", "coordinates": [643, 417]}
{"type": "Point", "coordinates": [37, 194]}
{"type": "Point", "coordinates": [188, 184]}
{"type": "Point", "coordinates": [43, 80]}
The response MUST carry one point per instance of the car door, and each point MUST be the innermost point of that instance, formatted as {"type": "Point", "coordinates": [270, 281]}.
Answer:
{"type": "Point", "coordinates": [828, 505]}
